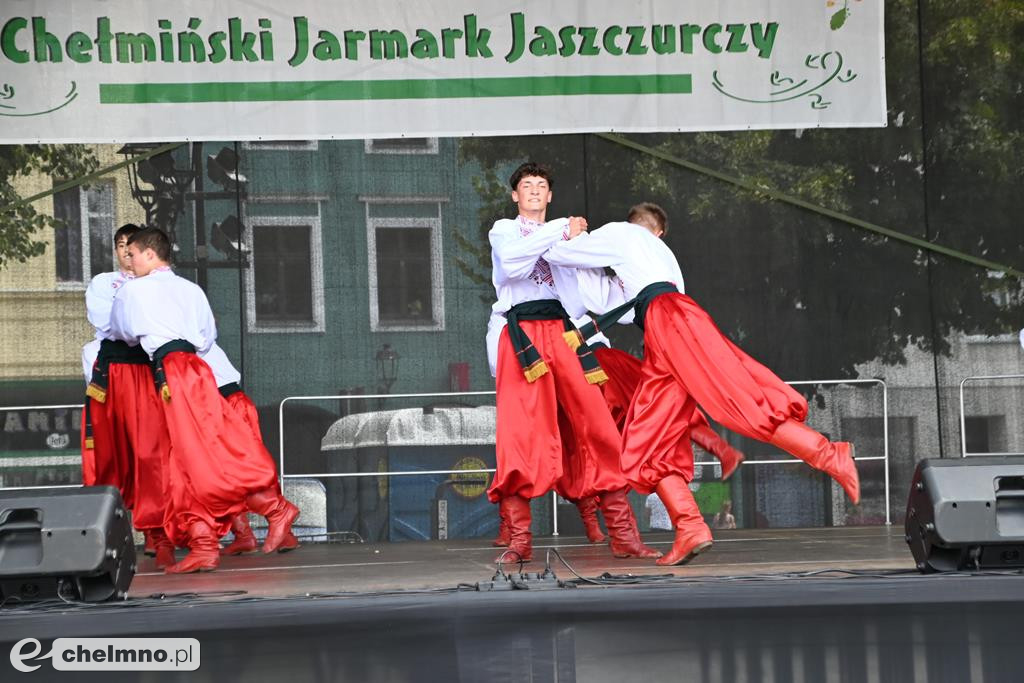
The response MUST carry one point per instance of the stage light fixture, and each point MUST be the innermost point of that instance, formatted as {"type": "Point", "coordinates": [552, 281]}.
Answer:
{"type": "Point", "coordinates": [158, 171]}
{"type": "Point", "coordinates": [223, 169]}
{"type": "Point", "coordinates": [227, 237]}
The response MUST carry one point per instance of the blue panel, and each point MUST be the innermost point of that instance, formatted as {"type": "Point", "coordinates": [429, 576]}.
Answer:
{"type": "Point", "coordinates": [412, 500]}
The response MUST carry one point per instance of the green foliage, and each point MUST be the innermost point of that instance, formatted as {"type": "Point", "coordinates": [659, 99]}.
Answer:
{"type": "Point", "coordinates": [472, 241]}
{"type": "Point", "coordinates": [20, 227]}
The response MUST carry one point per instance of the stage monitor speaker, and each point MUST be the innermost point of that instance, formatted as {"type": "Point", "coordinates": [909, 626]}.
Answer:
{"type": "Point", "coordinates": [70, 543]}
{"type": "Point", "coordinates": [967, 514]}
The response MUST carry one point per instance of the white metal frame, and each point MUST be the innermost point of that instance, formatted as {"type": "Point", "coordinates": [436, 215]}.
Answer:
{"type": "Point", "coordinates": [85, 218]}
{"type": "Point", "coordinates": [432, 223]}
{"type": "Point", "coordinates": [963, 415]}
{"type": "Point", "coordinates": [316, 267]}
{"type": "Point", "coordinates": [281, 145]}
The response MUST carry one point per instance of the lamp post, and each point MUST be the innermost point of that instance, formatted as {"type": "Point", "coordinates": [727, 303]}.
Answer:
{"type": "Point", "coordinates": [387, 367]}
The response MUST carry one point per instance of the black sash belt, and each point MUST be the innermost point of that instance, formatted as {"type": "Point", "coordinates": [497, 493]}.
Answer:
{"type": "Point", "coordinates": [112, 351]}
{"type": "Point", "coordinates": [641, 301]}
{"type": "Point", "coordinates": [646, 295]}
{"type": "Point", "coordinates": [229, 388]}
{"type": "Point", "coordinates": [158, 365]}
{"type": "Point", "coordinates": [529, 358]}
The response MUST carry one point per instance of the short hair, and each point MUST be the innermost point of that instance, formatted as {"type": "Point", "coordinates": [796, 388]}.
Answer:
{"type": "Point", "coordinates": [531, 168]}
{"type": "Point", "coordinates": [155, 239]}
{"type": "Point", "coordinates": [126, 231]}
{"type": "Point", "coordinates": [652, 210]}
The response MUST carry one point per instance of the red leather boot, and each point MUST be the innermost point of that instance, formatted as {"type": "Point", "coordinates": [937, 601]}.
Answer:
{"type": "Point", "coordinates": [504, 536]}
{"type": "Point", "coordinates": [516, 511]}
{"type": "Point", "coordinates": [204, 551]}
{"type": "Point", "coordinates": [708, 439]}
{"type": "Point", "coordinates": [625, 536]}
{"type": "Point", "coordinates": [834, 458]}
{"type": "Point", "coordinates": [245, 541]}
{"type": "Point", "coordinates": [588, 513]}
{"type": "Point", "coordinates": [280, 514]}
{"type": "Point", "coordinates": [149, 547]}
{"type": "Point", "coordinates": [289, 543]}
{"type": "Point", "coordinates": [692, 535]}
{"type": "Point", "coordinates": [163, 549]}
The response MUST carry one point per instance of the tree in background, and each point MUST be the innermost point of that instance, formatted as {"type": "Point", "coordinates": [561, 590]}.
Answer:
{"type": "Point", "coordinates": [20, 227]}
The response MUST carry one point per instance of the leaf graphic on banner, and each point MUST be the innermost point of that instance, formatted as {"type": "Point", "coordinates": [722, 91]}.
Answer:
{"type": "Point", "coordinates": [798, 88]}
{"type": "Point", "coordinates": [7, 92]}
{"type": "Point", "coordinates": [838, 19]}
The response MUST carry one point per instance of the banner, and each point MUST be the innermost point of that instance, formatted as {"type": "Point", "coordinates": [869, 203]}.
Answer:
{"type": "Point", "coordinates": [127, 71]}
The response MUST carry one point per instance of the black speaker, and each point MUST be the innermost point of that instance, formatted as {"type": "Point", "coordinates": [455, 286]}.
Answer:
{"type": "Point", "coordinates": [967, 513]}
{"type": "Point", "coordinates": [71, 543]}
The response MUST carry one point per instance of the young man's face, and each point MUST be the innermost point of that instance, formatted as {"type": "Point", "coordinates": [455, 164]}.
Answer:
{"type": "Point", "coordinates": [532, 194]}
{"type": "Point", "coordinates": [124, 261]}
{"type": "Point", "coordinates": [143, 261]}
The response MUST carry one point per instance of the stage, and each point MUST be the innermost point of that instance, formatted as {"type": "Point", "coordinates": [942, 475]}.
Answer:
{"type": "Point", "coordinates": [837, 604]}
{"type": "Point", "coordinates": [366, 568]}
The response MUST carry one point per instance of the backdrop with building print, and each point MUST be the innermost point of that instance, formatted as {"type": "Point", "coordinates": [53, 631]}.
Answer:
{"type": "Point", "coordinates": [360, 269]}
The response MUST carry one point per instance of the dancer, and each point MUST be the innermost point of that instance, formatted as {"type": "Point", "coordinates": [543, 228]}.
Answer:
{"type": "Point", "coordinates": [539, 375]}
{"type": "Point", "coordinates": [217, 468]}
{"type": "Point", "coordinates": [686, 358]}
{"type": "Point", "coordinates": [124, 439]}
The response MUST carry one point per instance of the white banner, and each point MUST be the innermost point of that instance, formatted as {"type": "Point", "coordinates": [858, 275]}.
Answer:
{"type": "Point", "coordinates": [129, 71]}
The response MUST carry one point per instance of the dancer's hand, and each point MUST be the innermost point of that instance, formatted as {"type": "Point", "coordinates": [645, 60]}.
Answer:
{"type": "Point", "coordinates": [577, 226]}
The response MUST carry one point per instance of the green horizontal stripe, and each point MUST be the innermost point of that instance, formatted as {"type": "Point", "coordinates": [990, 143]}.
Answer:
{"type": "Point", "coordinates": [401, 89]}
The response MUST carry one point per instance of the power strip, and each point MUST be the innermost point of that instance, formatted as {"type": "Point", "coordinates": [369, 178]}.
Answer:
{"type": "Point", "coordinates": [523, 581]}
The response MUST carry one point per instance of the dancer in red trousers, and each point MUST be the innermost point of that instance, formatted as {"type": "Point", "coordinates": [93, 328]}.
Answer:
{"type": "Point", "coordinates": [686, 359]}
{"type": "Point", "coordinates": [124, 440]}
{"type": "Point", "coordinates": [216, 468]}
{"type": "Point", "coordinates": [539, 375]}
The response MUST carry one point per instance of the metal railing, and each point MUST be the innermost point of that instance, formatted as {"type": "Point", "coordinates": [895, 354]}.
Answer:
{"type": "Point", "coordinates": [281, 457]}
{"type": "Point", "coordinates": [281, 453]}
{"type": "Point", "coordinates": [885, 435]}
{"type": "Point", "coordinates": [963, 414]}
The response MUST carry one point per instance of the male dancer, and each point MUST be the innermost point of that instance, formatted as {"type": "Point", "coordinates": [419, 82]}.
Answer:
{"type": "Point", "coordinates": [125, 442]}
{"type": "Point", "coordinates": [687, 358]}
{"type": "Point", "coordinates": [217, 468]}
{"type": "Point", "coordinates": [539, 375]}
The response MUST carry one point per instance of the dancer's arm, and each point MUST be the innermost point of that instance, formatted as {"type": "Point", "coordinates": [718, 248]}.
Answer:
{"type": "Point", "coordinates": [516, 254]}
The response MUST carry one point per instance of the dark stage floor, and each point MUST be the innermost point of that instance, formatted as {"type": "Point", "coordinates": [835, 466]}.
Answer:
{"type": "Point", "coordinates": [780, 606]}
{"type": "Point", "coordinates": [360, 568]}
